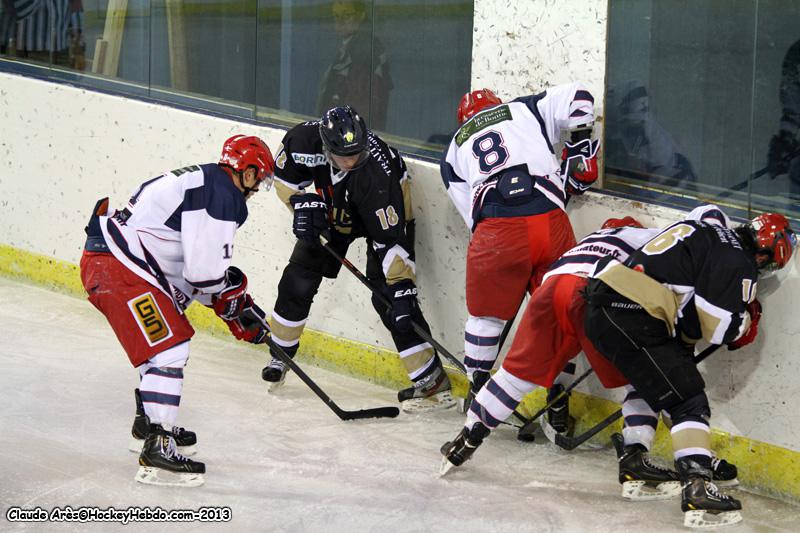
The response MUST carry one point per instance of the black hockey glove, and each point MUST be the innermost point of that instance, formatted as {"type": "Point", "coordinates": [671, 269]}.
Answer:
{"type": "Point", "coordinates": [310, 216]}
{"type": "Point", "coordinates": [403, 296]}
{"type": "Point", "coordinates": [783, 147]}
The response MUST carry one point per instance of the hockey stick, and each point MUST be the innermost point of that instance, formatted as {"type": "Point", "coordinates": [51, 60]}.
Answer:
{"type": "Point", "coordinates": [755, 175]}
{"type": "Point", "coordinates": [570, 443]}
{"type": "Point", "coordinates": [385, 301]}
{"type": "Point", "coordinates": [526, 431]}
{"type": "Point", "coordinates": [376, 412]}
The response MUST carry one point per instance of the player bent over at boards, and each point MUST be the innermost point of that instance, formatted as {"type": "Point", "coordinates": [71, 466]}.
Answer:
{"type": "Point", "coordinates": [361, 188]}
{"type": "Point", "coordinates": [550, 334]}
{"type": "Point", "coordinates": [694, 280]}
{"type": "Point", "coordinates": [144, 264]}
{"type": "Point", "coordinates": [502, 174]}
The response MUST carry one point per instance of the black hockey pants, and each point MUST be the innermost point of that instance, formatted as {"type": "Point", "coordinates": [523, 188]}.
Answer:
{"type": "Point", "coordinates": [309, 263]}
{"type": "Point", "coordinates": [660, 367]}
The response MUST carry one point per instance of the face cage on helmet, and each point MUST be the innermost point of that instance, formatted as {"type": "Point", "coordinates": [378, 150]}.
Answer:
{"type": "Point", "coordinates": [363, 157]}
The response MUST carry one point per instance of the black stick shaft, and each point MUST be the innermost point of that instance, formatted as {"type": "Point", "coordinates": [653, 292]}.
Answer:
{"type": "Point", "coordinates": [419, 330]}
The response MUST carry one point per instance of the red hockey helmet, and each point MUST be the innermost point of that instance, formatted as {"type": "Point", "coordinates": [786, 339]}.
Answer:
{"type": "Point", "coordinates": [773, 236]}
{"type": "Point", "coordinates": [241, 152]}
{"type": "Point", "coordinates": [475, 101]}
{"type": "Point", "coordinates": [625, 222]}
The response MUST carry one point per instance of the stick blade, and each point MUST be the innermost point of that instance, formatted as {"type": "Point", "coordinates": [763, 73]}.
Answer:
{"type": "Point", "coordinates": [376, 412]}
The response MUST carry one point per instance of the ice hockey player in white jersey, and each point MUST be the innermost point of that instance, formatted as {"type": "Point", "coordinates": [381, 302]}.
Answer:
{"type": "Point", "coordinates": [503, 175]}
{"type": "Point", "coordinates": [144, 264]}
{"type": "Point", "coordinates": [695, 279]}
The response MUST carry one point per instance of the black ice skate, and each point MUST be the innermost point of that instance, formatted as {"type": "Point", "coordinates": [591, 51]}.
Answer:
{"type": "Point", "coordinates": [724, 473]}
{"type": "Point", "coordinates": [557, 419]}
{"type": "Point", "coordinates": [641, 478]}
{"type": "Point", "coordinates": [702, 503]}
{"type": "Point", "coordinates": [429, 393]}
{"type": "Point", "coordinates": [185, 440]}
{"type": "Point", "coordinates": [460, 449]}
{"type": "Point", "coordinates": [275, 373]}
{"type": "Point", "coordinates": [160, 463]}
{"type": "Point", "coordinates": [479, 379]}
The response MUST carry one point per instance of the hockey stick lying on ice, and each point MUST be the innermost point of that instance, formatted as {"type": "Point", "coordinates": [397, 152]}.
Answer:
{"type": "Point", "coordinates": [385, 301]}
{"type": "Point", "coordinates": [376, 412]}
{"type": "Point", "coordinates": [526, 431]}
{"type": "Point", "coordinates": [570, 443]}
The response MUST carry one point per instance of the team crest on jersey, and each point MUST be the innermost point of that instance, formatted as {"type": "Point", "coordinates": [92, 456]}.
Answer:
{"type": "Point", "coordinates": [150, 318]}
{"type": "Point", "coordinates": [482, 121]}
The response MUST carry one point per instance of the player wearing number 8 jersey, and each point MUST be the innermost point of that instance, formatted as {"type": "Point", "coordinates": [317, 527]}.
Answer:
{"type": "Point", "coordinates": [361, 188]}
{"type": "Point", "coordinates": [511, 186]}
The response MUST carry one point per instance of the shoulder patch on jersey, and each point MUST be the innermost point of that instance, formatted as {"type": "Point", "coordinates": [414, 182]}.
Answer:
{"type": "Point", "coordinates": [481, 121]}
{"type": "Point", "coordinates": [310, 160]}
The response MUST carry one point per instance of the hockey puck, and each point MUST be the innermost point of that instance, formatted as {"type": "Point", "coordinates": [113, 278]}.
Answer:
{"type": "Point", "coordinates": [526, 437]}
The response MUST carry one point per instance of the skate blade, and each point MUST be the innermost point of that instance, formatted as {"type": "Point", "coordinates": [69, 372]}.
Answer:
{"type": "Point", "coordinates": [639, 491]}
{"type": "Point", "coordinates": [135, 445]}
{"type": "Point", "coordinates": [437, 402]}
{"type": "Point", "coordinates": [704, 519]}
{"type": "Point", "coordinates": [445, 467]}
{"type": "Point", "coordinates": [275, 386]}
{"type": "Point", "coordinates": [158, 476]}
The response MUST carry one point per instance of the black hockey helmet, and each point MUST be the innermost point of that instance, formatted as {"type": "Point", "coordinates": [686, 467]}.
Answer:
{"type": "Point", "coordinates": [344, 132]}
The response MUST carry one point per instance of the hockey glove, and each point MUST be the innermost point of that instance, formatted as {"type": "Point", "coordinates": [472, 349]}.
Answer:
{"type": "Point", "coordinates": [310, 216]}
{"type": "Point", "coordinates": [783, 147]}
{"type": "Point", "coordinates": [228, 303]}
{"type": "Point", "coordinates": [251, 324]}
{"type": "Point", "coordinates": [754, 309]}
{"type": "Point", "coordinates": [579, 165]}
{"type": "Point", "coordinates": [403, 296]}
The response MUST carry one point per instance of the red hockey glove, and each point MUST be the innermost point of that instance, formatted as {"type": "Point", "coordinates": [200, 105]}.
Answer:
{"type": "Point", "coordinates": [754, 308]}
{"type": "Point", "coordinates": [579, 165]}
{"type": "Point", "coordinates": [228, 303]}
{"type": "Point", "coordinates": [251, 324]}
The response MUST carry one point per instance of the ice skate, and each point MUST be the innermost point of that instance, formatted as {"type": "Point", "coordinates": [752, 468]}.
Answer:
{"type": "Point", "coordinates": [275, 374]}
{"type": "Point", "coordinates": [479, 379]}
{"type": "Point", "coordinates": [185, 440]}
{"type": "Point", "coordinates": [429, 393]}
{"type": "Point", "coordinates": [641, 479]}
{"type": "Point", "coordinates": [557, 419]}
{"type": "Point", "coordinates": [703, 505]}
{"type": "Point", "coordinates": [724, 473]}
{"type": "Point", "coordinates": [460, 449]}
{"type": "Point", "coordinates": [160, 463]}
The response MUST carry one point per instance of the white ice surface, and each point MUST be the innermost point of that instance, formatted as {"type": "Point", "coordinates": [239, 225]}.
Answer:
{"type": "Point", "coordinates": [281, 462]}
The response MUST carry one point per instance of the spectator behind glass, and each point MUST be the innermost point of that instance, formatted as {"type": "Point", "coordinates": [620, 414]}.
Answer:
{"type": "Point", "coordinates": [359, 74]}
{"type": "Point", "coordinates": [637, 143]}
{"type": "Point", "coordinates": [26, 25]}
{"type": "Point", "coordinates": [784, 148]}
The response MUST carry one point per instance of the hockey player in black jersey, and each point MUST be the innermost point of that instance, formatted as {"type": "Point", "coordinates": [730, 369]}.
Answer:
{"type": "Point", "coordinates": [694, 280]}
{"type": "Point", "coordinates": [359, 188]}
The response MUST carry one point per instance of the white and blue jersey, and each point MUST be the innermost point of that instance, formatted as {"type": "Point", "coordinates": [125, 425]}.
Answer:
{"type": "Point", "coordinates": [517, 136]}
{"type": "Point", "coordinates": [177, 231]}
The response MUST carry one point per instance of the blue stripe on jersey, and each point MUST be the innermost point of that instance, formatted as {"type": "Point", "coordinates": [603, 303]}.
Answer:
{"type": "Point", "coordinates": [583, 95]}
{"type": "Point", "coordinates": [221, 199]}
{"type": "Point", "coordinates": [448, 173]}
{"type": "Point", "coordinates": [481, 341]}
{"type": "Point", "coordinates": [551, 187]}
{"type": "Point", "coordinates": [120, 241]}
{"type": "Point", "coordinates": [578, 113]}
{"type": "Point", "coordinates": [578, 259]}
{"type": "Point", "coordinates": [501, 395]}
{"type": "Point", "coordinates": [531, 102]}
{"type": "Point", "coordinates": [206, 283]}
{"type": "Point", "coordinates": [610, 240]}
{"type": "Point", "coordinates": [479, 364]}
{"type": "Point", "coordinates": [159, 397]}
